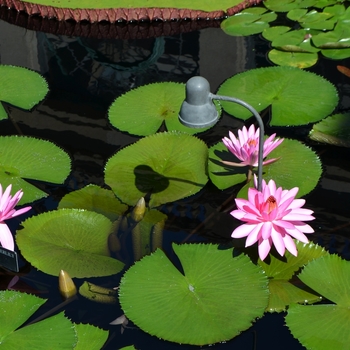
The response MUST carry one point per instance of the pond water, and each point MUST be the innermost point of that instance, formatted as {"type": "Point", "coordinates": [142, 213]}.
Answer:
{"type": "Point", "coordinates": [85, 75]}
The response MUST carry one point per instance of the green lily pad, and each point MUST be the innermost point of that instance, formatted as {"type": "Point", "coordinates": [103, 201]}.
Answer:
{"type": "Point", "coordinates": [142, 111]}
{"type": "Point", "coordinates": [296, 97]}
{"type": "Point", "coordinates": [285, 171]}
{"type": "Point", "coordinates": [68, 239]}
{"type": "Point", "coordinates": [287, 5]}
{"type": "Point", "coordinates": [283, 291]}
{"type": "Point", "coordinates": [272, 33]}
{"type": "Point", "coordinates": [169, 166]}
{"type": "Point", "coordinates": [293, 59]}
{"type": "Point", "coordinates": [55, 332]}
{"type": "Point", "coordinates": [334, 130]}
{"type": "Point", "coordinates": [336, 54]}
{"type": "Point", "coordinates": [248, 22]}
{"type": "Point", "coordinates": [20, 87]}
{"type": "Point", "coordinates": [24, 157]}
{"type": "Point", "coordinates": [216, 297]}
{"type": "Point", "coordinates": [329, 276]}
{"type": "Point", "coordinates": [95, 198]}
{"type": "Point", "coordinates": [90, 337]}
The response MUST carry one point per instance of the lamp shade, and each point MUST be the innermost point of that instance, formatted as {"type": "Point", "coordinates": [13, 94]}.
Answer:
{"type": "Point", "coordinates": [198, 109]}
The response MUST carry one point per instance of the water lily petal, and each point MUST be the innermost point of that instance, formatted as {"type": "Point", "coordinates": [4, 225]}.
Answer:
{"type": "Point", "coordinates": [278, 241]}
{"type": "Point", "coordinates": [290, 245]}
{"type": "Point", "coordinates": [242, 231]}
{"type": "Point", "coordinates": [264, 248]}
{"type": "Point", "coordinates": [6, 238]}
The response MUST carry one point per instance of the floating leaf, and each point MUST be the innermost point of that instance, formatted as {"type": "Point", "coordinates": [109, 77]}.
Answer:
{"type": "Point", "coordinates": [248, 22]}
{"type": "Point", "coordinates": [24, 157]}
{"type": "Point", "coordinates": [94, 198]}
{"type": "Point", "coordinates": [20, 87]}
{"type": "Point", "coordinates": [68, 239]}
{"type": "Point", "coordinates": [142, 111]}
{"type": "Point", "coordinates": [329, 276]}
{"type": "Point", "coordinates": [206, 304]}
{"type": "Point", "coordinates": [285, 171]}
{"type": "Point", "coordinates": [334, 130]}
{"type": "Point", "coordinates": [90, 337]}
{"type": "Point", "coordinates": [55, 332]}
{"type": "Point", "coordinates": [287, 5]}
{"type": "Point", "coordinates": [296, 97]}
{"type": "Point", "coordinates": [280, 271]}
{"type": "Point", "coordinates": [169, 166]}
{"type": "Point", "coordinates": [293, 59]}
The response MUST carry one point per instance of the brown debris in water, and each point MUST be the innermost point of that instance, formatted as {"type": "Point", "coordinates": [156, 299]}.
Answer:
{"type": "Point", "coordinates": [121, 14]}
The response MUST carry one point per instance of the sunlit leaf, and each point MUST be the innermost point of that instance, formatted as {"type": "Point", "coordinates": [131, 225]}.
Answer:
{"type": "Point", "coordinates": [94, 198]}
{"type": "Point", "coordinates": [168, 166]}
{"type": "Point", "coordinates": [293, 59]}
{"type": "Point", "coordinates": [68, 239]}
{"type": "Point", "coordinates": [24, 157]}
{"type": "Point", "coordinates": [142, 111]}
{"type": "Point", "coordinates": [248, 22]}
{"type": "Point", "coordinates": [296, 97]}
{"type": "Point", "coordinates": [329, 276]}
{"type": "Point", "coordinates": [55, 332]}
{"type": "Point", "coordinates": [206, 304]}
{"type": "Point", "coordinates": [90, 337]}
{"type": "Point", "coordinates": [280, 271]}
{"type": "Point", "coordinates": [20, 87]}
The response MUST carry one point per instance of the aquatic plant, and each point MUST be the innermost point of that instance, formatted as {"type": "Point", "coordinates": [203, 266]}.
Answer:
{"type": "Point", "coordinates": [272, 217]}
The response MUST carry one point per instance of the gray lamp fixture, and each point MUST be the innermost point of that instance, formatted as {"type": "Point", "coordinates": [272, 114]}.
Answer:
{"type": "Point", "coordinates": [199, 111]}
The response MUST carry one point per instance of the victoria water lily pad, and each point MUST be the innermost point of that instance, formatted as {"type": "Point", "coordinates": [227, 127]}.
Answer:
{"type": "Point", "coordinates": [248, 22]}
{"type": "Point", "coordinates": [142, 111]}
{"type": "Point", "coordinates": [280, 271]}
{"type": "Point", "coordinates": [94, 198]}
{"type": "Point", "coordinates": [168, 166]}
{"type": "Point", "coordinates": [216, 297]}
{"type": "Point", "coordinates": [55, 332]}
{"type": "Point", "coordinates": [68, 239]}
{"type": "Point", "coordinates": [287, 5]}
{"type": "Point", "coordinates": [296, 97]}
{"type": "Point", "coordinates": [20, 87]}
{"type": "Point", "coordinates": [24, 157]}
{"type": "Point", "coordinates": [328, 276]}
{"type": "Point", "coordinates": [334, 130]}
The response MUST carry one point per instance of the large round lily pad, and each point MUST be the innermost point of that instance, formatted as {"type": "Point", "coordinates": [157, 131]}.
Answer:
{"type": "Point", "coordinates": [68, 239]}
{"type": "Point", "coordinates": [168, 166]}
{"type": "Point", "coordinates": [216, 297]}
{"type": "Point", "coordinates": [296, 97]}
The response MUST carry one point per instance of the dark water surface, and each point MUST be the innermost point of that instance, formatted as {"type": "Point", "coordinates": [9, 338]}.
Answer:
{"type": "Point", "coordinates": [85, 75]}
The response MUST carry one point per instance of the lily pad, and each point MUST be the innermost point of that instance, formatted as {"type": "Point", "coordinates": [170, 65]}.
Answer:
{"type": "Point", "coordinates": [285, 171]}
{"type": "Point", "coordinates": [24, 157]}
{"type": "Point", "coordinates": [20, 87]}
{"type": "Point", "coordinates": [334, 130]}
{"type": "Point", "coordinates": [296, 97]}
{"type": "Point", "coordinates": [283, 291]}
{"type": "Point", "coordinates": [329, 276]}
{"type": "Point", "coordinates": [293, 59]}
{"type": "Point", "coordinates": [90, 337]}
{"type": "Point", "coordinates": [68, 239]}
{"type": "Point", "coordinates": [55, 332]}
{"type": "Point", "coordinates": [205, 304]}
{"type": "Point", "coordinates": [248, 22]}
{"type": "Point", "coordinates": [95, 198]}
{"type": "Point", "coordinates": [287, 5]}
{"type": "Point", "coordinates": [142, 111]}
{"type": "Point", "coordinates": [168, 166]}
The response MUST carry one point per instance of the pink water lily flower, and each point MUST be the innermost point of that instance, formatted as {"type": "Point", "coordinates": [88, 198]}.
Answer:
{"type": "Point", "coordinates": [246, 146]}
{"type": "Point", "coordinates": [272, 216]}
{"type": "Point", "coordinates": [7, 211]}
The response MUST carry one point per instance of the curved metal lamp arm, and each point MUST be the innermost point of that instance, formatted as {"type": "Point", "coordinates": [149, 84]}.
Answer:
{"type": "Point", "coordinates": [261, 129]}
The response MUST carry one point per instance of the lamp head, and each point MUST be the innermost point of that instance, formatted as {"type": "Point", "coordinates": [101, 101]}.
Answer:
{"type": "Point", "coordinates": [198, 109]}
